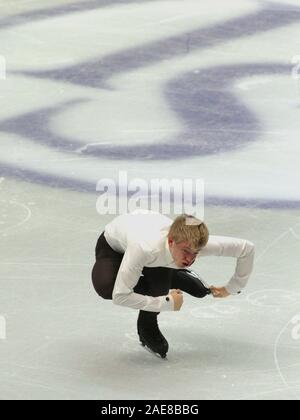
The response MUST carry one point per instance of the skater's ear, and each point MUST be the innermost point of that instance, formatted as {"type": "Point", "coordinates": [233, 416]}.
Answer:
{"type": "Point", "coordinates": [170, 240]}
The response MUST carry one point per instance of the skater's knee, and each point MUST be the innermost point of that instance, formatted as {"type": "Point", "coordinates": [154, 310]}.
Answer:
{"type": "Point", "coordinates": [103, 291]}
{"type": "Point", "coordinates": [106, 295]}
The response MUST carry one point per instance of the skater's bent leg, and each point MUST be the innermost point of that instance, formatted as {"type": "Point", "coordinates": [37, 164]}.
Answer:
{"type": "Point", "coordinates": [104, 275]}
{"type": "Point", "coordinates": [105, 269]}
{"type": "Point", "coordinates": [154, 282]}
{"type": "Point", "coordinates": [150, 334]}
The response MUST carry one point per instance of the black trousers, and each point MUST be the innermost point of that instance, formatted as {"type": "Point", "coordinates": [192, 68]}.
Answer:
{"type": "Point", "coordinates": [156, 281]}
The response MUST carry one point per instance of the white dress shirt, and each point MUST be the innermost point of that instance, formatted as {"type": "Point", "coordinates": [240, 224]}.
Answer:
{"type": "Point", "coordinates": [142, 237]}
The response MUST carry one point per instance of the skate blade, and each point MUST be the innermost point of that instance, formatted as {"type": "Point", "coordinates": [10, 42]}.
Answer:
{"type": "Point", "coordinates": [164, 356]}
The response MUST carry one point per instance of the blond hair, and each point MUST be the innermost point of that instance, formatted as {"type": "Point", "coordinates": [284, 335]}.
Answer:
{"type": "Point", "coordinates": [186, 228]}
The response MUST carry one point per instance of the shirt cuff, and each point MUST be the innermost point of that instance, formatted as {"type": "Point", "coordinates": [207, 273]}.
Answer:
{"type": "Point", "coordinates": [167, 303]}
{"type": "Point", "coordinates": [232, 289]}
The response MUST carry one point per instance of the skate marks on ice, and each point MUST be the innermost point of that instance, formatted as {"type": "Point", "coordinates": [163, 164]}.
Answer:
{"type": "Point", "coordinates": [291, 233]}
{"type": "Point", "coordinates": [133, 346]}
{"type": "Point", "coordinates": [287, 295]}
{"type": "Point", "coordinates": [274, 298]}
{"type": "Point", "coordinates": [286, 355]}
{"type": "Point", "coordinates": [287, 343]}
{"type": "Point", "coordinates": [138, 354]}
{"type": "Point", "coordinates": [13, 215]}
{"type": "Point", "coordinates": [216, 310]}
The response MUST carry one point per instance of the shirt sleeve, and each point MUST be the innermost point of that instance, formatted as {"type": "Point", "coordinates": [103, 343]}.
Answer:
{"type": "Point", "coordinates": [242, 250]}
{"type": "Point", "coordinates": [133, 262]}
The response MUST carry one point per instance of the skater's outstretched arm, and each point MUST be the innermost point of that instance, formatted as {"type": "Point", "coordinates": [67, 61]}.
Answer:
{"type": "Point", "coordinates": [240, 249]}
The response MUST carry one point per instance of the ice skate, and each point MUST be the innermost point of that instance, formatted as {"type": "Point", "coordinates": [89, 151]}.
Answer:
{"type": "Point", "coordinates": [194, 285]}
{"type": "Point", "coordinates": [150, 335]}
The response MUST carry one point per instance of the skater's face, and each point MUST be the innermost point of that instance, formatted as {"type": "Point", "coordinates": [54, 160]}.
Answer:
{"type": "Point", "coordinates": [182, 253]}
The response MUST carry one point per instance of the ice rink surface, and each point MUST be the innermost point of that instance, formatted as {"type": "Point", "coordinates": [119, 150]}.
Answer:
{"type": "Point", "coordinates": [160, 89]}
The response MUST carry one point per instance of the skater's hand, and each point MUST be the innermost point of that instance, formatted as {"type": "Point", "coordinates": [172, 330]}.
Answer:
{"type": "Point", "coordinates": [219, 292]}
{"type": "Point", "coordinates": [177, 298]}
